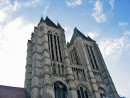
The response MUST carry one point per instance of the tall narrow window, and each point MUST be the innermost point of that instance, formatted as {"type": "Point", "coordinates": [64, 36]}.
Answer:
{"type": "Point", "coordinates": [59, 69]}
{"type": "Point", "coordinates": [49, 40]}
{"type": "Point", "coordinates": [62, 93]}
{"type": "Point", "coordinates": [94, 58]}
{"type": "Point", "coordinates": [54, 69]}
{"type": "Point", "coordinates": [77, 74]}
{"type": "Point", "coordinates": [84, 75]}
{"type": "Point", "coordinates": [76, 57]}
{"type": "Point", "coordinates": [60, 90]}
{"type": "Point", "coordinates": [72, 56]}
{"type": "Point", "coordinates": [90, 57]}
{"type": "Point", "coordinates": [62, 70]}
{"type": "Point", "coordinates": [52, 52]}
{"type": "Point", "coordinates": [58, 93]}
{"type": "Point", "coordinates": [56, 48]}
{"type": "Point", "coordinates": [102, 95]}
{"type": "Point", "coordinates": [86, 94]}
{"type": "Point", "coordinates": [78, 94]}
{"type": "Point", "coordinates": [59, 48]}
{"type": "Point", "coordinates": [82, 92]}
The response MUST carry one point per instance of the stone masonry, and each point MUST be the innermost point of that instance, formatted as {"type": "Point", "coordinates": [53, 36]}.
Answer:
{"type": "Point", "coordinates": [55, 69]}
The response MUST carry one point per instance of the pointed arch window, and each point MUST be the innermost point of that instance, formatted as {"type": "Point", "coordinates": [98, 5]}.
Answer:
{"type": "Point", "coordinates": [102, 92]}
{"type": "Point", "coordinates": [59, 69]}
{"type": "Point", "coordinates": [86, 94]}
{"type": "Point", "coordinates": [81, 93]}
{"type": "Point", "coordinates": [78, 94]}
{"type": "Point", "coordinates": [102, 95]}
{"type": "Point", "coordinates": [54, 69]}
{"type": "Point", "coordinates": [60, 90]}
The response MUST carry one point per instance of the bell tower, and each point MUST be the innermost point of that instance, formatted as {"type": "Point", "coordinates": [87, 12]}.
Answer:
{"type": "Point", "coordinates": [48, 70]}
{"type": "Point", "coordinates": [57, 70]}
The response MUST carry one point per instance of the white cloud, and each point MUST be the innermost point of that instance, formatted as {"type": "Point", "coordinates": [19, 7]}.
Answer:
{"type": "Point", "coordinates": [127, 33]}
{"type": "Point", "coordinates": [98, 14]}
{"type": "Point", "coordinates": [68, 33]}
{"type": "Point", "coordinates": [13, 42]}
{"type": "Point", "coordinates": [73, 2]}
{"type": "Point", "coordinates": [111, 2]}
{"type": "Point", "coordinates": [92, 34]}
{"type": "Point", "coordinates": [31, 3]}
{"type": "Point", "coordinates": [46, 9]}
{"type": "Point", "coordinates": [6, 8]}
{"type": "Point", "coordinates": [14, 33]}
{"type": "Point", "coordinates": [114, 48]}
{"type": "Point", "coordinates": [122, 24]}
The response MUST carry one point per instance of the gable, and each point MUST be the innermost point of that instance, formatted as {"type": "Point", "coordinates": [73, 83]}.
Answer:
{"type": "Point", "coordinates": [76, 34]}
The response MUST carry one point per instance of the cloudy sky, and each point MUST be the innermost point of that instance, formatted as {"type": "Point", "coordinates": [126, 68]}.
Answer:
{"type": "Point", "coordinates": [106, 21]}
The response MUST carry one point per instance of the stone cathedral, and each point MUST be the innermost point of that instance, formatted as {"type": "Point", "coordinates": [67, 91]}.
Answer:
{"type": "Point", "coordinates": [55, 69]}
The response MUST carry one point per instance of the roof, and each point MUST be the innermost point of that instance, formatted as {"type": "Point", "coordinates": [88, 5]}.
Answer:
{"type": "Point", "coordinates": [58, 26]}
{"type": "Point", "coordinates": [41, 20]}
{"type": "Point", "coordinates": [78, 33]}
{"type": "Point", "coordinates": [12, 92]}
{"type": "Point", "coordinates": [50, 23]}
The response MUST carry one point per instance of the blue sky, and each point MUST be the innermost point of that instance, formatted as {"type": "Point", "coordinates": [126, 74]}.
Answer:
{"type": "Point", "coordinates": [106, 21]}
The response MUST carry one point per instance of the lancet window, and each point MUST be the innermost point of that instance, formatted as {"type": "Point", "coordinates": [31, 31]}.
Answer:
{"type": "Point", "coordinates": [54, 46]}
{"type": "Point", "coordinates": [79, 74]}
{"type": "Point", "coordinates": [58, 69]}
{"type": "Point", "coordinates": [91, 55]}
{"type": "Point", "coordinates": [82, 93]}
{"type": "Point", "coordinates": [60, 90]}
{"type": "Point", "coordinates": [74, 56]}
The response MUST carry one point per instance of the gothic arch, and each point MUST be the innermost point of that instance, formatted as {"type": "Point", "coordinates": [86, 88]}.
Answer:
{"type": "Point", "coordinates": [83, 91]}
{"type": "Point", "coordinates": [84, 86]}
{"type": "Point", "coordinates": [102, 92]}
{"type": "Point", "coordinates": [101, 88]}
{"type": "Point", "coordinates": [60, 89]}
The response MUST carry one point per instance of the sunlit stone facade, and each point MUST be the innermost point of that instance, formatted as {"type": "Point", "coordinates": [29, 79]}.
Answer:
{"type": "Point", "coordinates": [57, 70]}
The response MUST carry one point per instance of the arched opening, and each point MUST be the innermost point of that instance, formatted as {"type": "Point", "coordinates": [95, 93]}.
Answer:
{"type": "Point", "coordinates": [82, 92]}
{"type": "Point", "coordinates": [54, 69]}
{"type": "Point", "coordinates": [102, 92]}
{"type": "Point", "coordinates": [60, 90]}
{"type": "Point", "coordinates": [86, 94]}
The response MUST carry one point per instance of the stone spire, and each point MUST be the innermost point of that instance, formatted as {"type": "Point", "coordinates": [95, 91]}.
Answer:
{"type": "Point", "coordinates": [49, 22]}
{"type": "Point", "coordinates": [41, 20]}
{"type": "Point", "coordinates": [59, 26]}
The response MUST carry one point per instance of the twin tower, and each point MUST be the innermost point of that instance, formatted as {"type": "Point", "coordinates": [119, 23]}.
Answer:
{"type": "Point", "coordinates": [57, 70]}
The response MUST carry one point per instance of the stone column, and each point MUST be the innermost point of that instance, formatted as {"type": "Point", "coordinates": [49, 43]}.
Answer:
{"type": "Point", "coordinates": [37, 63]}
{"type": "Point", "coordinates": [47, 89]}
{"type": "Point", "coordinates": [28, 77]}
{"type": "Point", "coordinates": [70, 76]}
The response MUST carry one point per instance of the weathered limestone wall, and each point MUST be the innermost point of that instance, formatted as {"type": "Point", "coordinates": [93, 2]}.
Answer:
{"type": "Point", "coordinates": [39, 77]}
{"type": "Point", "coordinates": [112, 93]}
{"type": "Point", "coordinates": [70, 76]}
{"type": "Point", "coordinates": [89, 73]}
{"type": "Point", "coordinates": [28, 76]}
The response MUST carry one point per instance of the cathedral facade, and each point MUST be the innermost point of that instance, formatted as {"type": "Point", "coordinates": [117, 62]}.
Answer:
{"type": "Point", "coordinates": [55, 69]}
